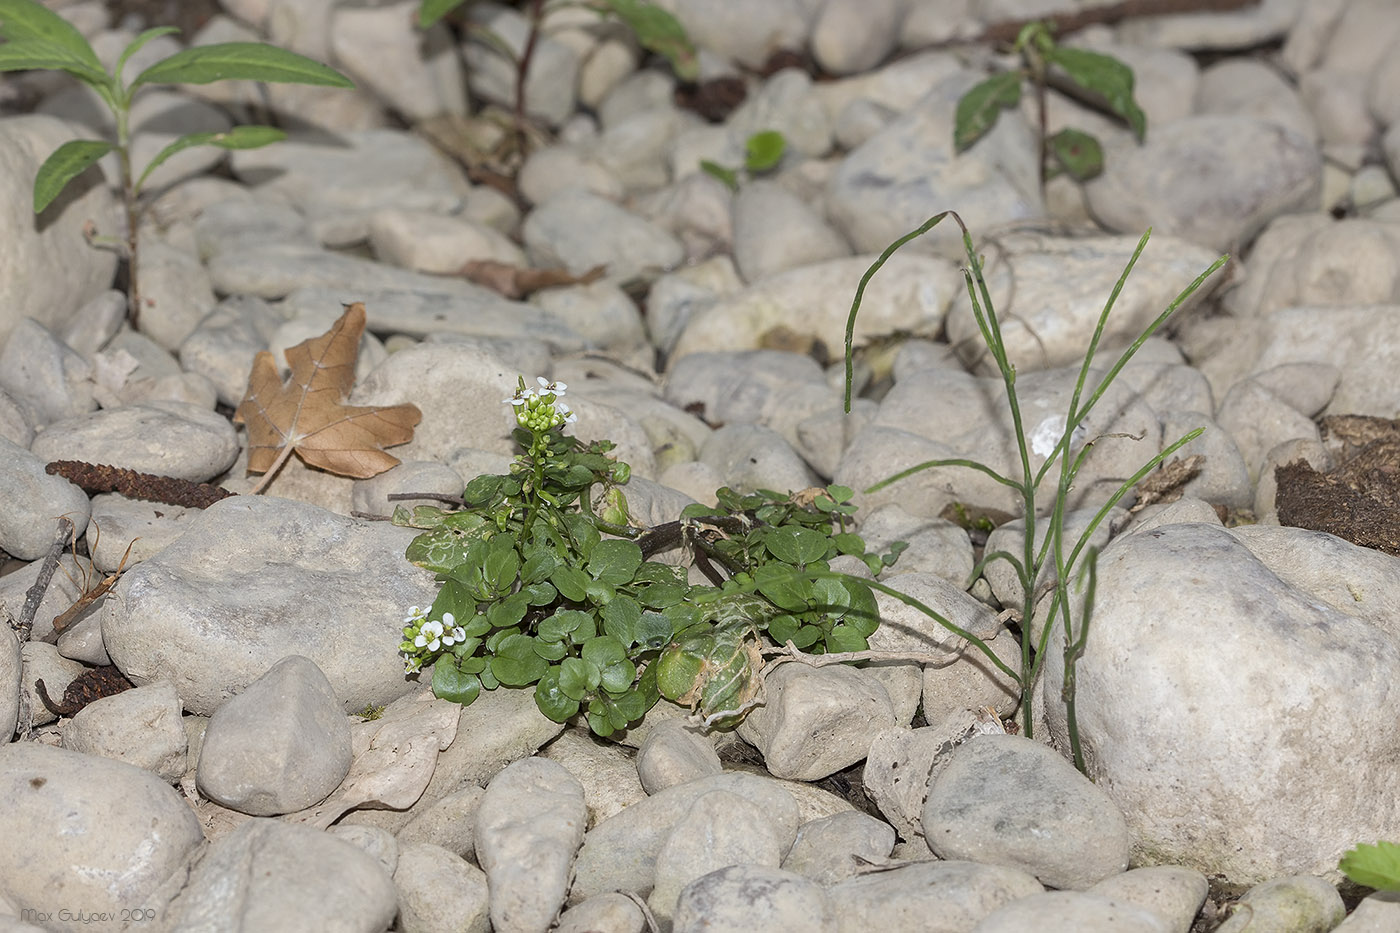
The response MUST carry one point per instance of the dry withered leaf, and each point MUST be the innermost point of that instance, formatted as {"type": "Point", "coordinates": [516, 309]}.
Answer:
{"type": "Point", "coordinates": [307, 413]}
{"type": "Point", "coordinates": [517, 282]}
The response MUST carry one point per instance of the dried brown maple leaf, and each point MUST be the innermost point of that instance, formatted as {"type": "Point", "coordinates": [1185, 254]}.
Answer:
{"type": "Point", "coordinates": [308, 414]}
{"type": "Point", "coordinates": [517, 282]}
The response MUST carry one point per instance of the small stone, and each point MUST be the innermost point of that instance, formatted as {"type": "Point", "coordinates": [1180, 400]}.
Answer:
{"type": "Point", "coordinates": [1288, 904]}
{"type": "Point", "coordinates": [164, 438]}
{"type": "Point", "coordinates": [438, 890]}
{"type": "Point", "coordinates": [928, 895]}
{"type": "Point", "coordinates": [1174, 894]}
{"type": "Point", "coordinates": [752, 897]}
{"type": "Point", "coordinates": [141, 727]}
{"type": "Point", "coordinates": [833, 848]}
{"type": "Point", "coordinates": [1071, 910]}
{"type": "Point", "coordinates": [673, 754]}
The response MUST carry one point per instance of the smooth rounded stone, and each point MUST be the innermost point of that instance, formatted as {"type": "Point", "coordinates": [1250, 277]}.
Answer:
{"type": "Point", "coordinates": [911, 293]}
{"type": "Point", "coordinates": [619, 854]}
{"type": "Point", "coordinates": [237, 223]}
{"type": "Point", "coordinates": [1182, 511]}
{"type": "Point", "coordinates": [936, 546]}
{"type": "Point", "coordinates": [775, 230]}
{"type": "Point", "coordinates": [145, 527]}
{"type": "Point", "coordinates": [753, 897]}
{"type": "Point", "coordinates": [937, 897]}
{"type": "Point", "coordinates": [1337, 101]}
{"type": "Point", "coordinates": [427, 308]}
{"type": "Point", "coordinates": [678, 296]}
{"type": "Point", "coordinates": [719, 830]}
{"type": "Point", "coordinates": [786, 103]}
{"type": "Point", "coordinates": [610, 912]}
{"type": "Point", "coordinates": [1378, 913]}
{"type": "Point", "coordinates": [1258, 421]}
{"type": "Point", "coordinates": [824, 436]}
{"type": "Point", "coordinates": [141, 727]}
{"type": "Point", "coordinates": [255, 579]}
{"type": "Point", "coordinates": [222, 347]}
{"type": "Point", "coordinates": [31, 501]}
{"type": "Point", "coordinates": [904, 682]}
{"type": "Point", "coordinates": [906, 629]}
{"type": "Point", "coordinates": [166, 438]}
{"type": "Point", "coordinates": [751, 456]}
{"type": "Point", "coordinates": [817, 720]}
{"type": "Point", "coordinates": [175, 292]}
{"type": "Point", "coordinates": [606, 771]}
{"type": "Point", "coordinates": [1248, 87]}
{"type": "Point", "coordinates": [1009, 800]}
{"type": "Point", "coordinates": [858, 121]}
{"type": "Point", "coordinates": [1049, 294]}
{"type": "Point", "coordinates": [972, 681]}
{"type": "Point", "coordinates": [48, 270]}
{"type": "Point", "coordinates": [415, 71]}
{"type": "Point", "coordinates": [50, 380]}
{"type": "Point", "coordinates": [274, 272]}
{"type": "Point", "coordinates": [95, 832]}
{"type": "Point", "coordinates": [744, 387]}
{"type": "Point", "coordinates": [377, 842]}
{"type": "Point", "coordinates": [1224, 476]}
{"type": "Point", "coordinates": [851, 36]}
{"type": "Point", "coordinates": [600, 312]}
{"type": "Point", "coordinates": [1071, 910]}
{"type": "Point", "coordinates": [971, 415]}
{"type": "Point", "coordinates": [449, 822]}
{"type": "Point", "coordinates": [1291, 904]}
{"type": "Point", "coordinates": [1310, 259]}
{"type": "Point", "coordinates": [1174, 894]}
{"type": "Point", "coordinates": [636, 150]}
{"type": "Point", "coordinates": [579, 230]}
{"type": "Point", "coordinates": [439, 890]}
{"type": "Point", "coordinates": [1261, 170]}
{"type": "Point", "coordinates": [877, 452]}
{"type": "Point", "coordinates": [437, 243]}
{"type": "Point", "coordinates": [271, 875]}
{"type": "Point", "coordinates": [15, 424]}
{"type": "Point", "coordinates": [528, 828]}
{"type": "Point", "coordinates": [428, 476]}
{"type": "Point", "coordinates": [745, 33]}
{"type": "Point", "coordinates": [830, 849]}
{"type": "Point", "coordinates": [82, 641]}
{"type": "Point", "coordinates": [696, 211]}
{"type": "Point", "coordinates": [908, 172]}
{"type": "Point", "coordinates": [673, 754]}
{"type": "Point", "coordinates": [554, 65]}
{"type": "Point", "coordinates": [11, 679]}
{"type": "Point", "coordinates": [693, 479]}
{"type": "Point", "coordinates": [346, 184]}
{"type": "Point", "coordinates": [279, 746]}
{"type": "Point", "coordinates": [1010, 537]}
{"type": "Point", "coordinates": [1156, 685]}
{"type": "Point", "coordinates": [552, 169]}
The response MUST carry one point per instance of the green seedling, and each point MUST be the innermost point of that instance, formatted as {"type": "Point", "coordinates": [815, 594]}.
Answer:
{"type": "Point", "coordinates": [1375, 866]}
{"type": "Point", "coordinates": [545, 583]}
{"type": "Point", "coordinates": [1098, 80]}
{"type": "Point", "coordinates": [39, 38]}
{"type": "Point", "coordinates": [762, 153]}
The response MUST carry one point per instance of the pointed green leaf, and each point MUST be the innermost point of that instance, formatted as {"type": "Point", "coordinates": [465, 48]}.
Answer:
{"type": "Point", "coordinates": [731, 181]}
{"type": "Point", "coordinates": [253, 61]}
{"type": "Point", "coordinates": [25, 20]}
{"type": "Point", "coordinates": [239, 137]}
{"type": "Point", "coordinates": [980, 107]}
{"type": "Point", "coordinates": [429, 12]}
{"type": "Point", "coordinates": [31, 54]}
{"type": "Point", "coordinates": [1376, 866]}
{"type": "Point", "coordinates": [137, 44]}
{"type": "Point", "coordinates": [1105, 77]}
{"type": "Point", "coordinates": [658, 31]}
{"type": "Point", "coordinates": [1078, 153]}
{"type": "Point", "coordinates": [67, 162]}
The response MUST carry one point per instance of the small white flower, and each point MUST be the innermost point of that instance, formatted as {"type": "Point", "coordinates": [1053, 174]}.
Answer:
{"type": "Point", "coordinates": [412, 664]}
{"type": "Point", "coordinates": [458, 635]}
{"type": "Point", "coordinates": [551, 388]}
{"type": "Point", "coordinates": [429, 636]}
{"type": "Point", "coordinates": [415, 615]}
{"type": "Point", "coordinates": [566, 411]}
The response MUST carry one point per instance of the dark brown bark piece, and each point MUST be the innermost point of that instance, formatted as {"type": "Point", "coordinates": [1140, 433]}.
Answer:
{"type": "Point", "coordinates": [100, 477]}
{"type": "Point", "coordinates": [1359, 501]}
{"type": "Point", "coordinates": [88, 686]}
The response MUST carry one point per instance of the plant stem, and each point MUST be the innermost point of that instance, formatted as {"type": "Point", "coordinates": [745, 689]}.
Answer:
{"type": "Point", "coordinates": [523, 70]}
{"type": "Point", "coordinates": [133, 216]}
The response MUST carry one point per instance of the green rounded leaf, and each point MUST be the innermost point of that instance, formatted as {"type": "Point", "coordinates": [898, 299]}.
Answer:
{"type": "Point", "coordinates": [561, 625]}
{"type": "Point", "coordinates": [603, 650]}
{"type": "Point", "coordinates": [980, 107]}
{"type": "Point", "coordinates": [618, 677]}
{"type": "Point", "coordinates": [1376, 866]}
{"type": "Point", "coordinates": [620, 618]}
{"type": "Point", "coordinates": [456, 599]}
{"type": "Point", "coordinates": [450, 683]}
{"type": "Point", "coordinates": [67, 162]}
{"type": "Point", "coordinates": [783, 587]}
{"type": "Point", "coordinates": [551, 698]}
{"type": "Point", "coordinates": [653, 630]}
{"type": "Point", "coordinates": [571, 582]}
{"type": "Point", "coordinates": [429, 12]}
{"type": "Point", "coordinates": [764, 150]}
{"type": "Point", "coordinates": [677, 671]}
{"type": "Point", "coordinates": [516, 663]}
{"type": "Point", "coordinates": [1078, 153]}
{"type": "Point", "coordinates": [578, 678]}
{"type": "Point", "coordinates": [240, 137]}
{"type": "Point", "coordinates": [507, 612]}
{"type": "Point", "coordinates": [1104, 77]}
{"type": "Point", "coordinates": [551, 650]}
{"type": "Point", "coordinates": [252, 61]}
{"type": "Point", "coordinates": [796, 545]}
{"type": "Point", "coordinates": [614, 561]}
{"type": "Point", "coordinates": [845, 638]}
{"type": "Point", "coordinates": [539, 564]}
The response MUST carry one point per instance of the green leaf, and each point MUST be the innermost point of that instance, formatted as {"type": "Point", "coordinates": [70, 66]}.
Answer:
{"type": "Point", "coordinates": [620, 618]}
{"type": "Point", "coordinates": [599, 593]}
{"type": "Point", "coordinates": [661, 595]}
{"type": "Point", "coordinates": [28, 24]}
{"type": "Point", "coordinates": [253, 61]}
{"type": "Point", "coordinates": [844, 638]}
{"type": "Point", "coordinates": [516, 664]}
{"type": "Point", "coordinates": [551, 650]}
{"type": "Point", "coordinates": [67, 162]}
{"type": "Point", "coordinates": [796, 545]}
{"type": "Point", "coordinates": [571, 582]}
{"type": "Point", "coordinates": [551, 698]}
{"type": "Point", "coordinates": [578, 678]}
{"type": "Point", "coordinates": [619, 676]}
{"type": "Point", "coordinates": [34, 53]}
{"type": "Point", "coordinates": [677, 671]}
{"type": "Point", "coordinates": [653, 630]}
{"type": "Point", "coordinates": [806, 636]}
{"type": "Point", "coordinates": [1078, 153]}
{"type": "Point", "coordinates": [657, 31]}
{"type": "Point", "coordinates": [980, 107]}
{"type": "Point", "coordinates": [482, 489]}
{"type": "Point", "coordinates": [539, 564]}
{"type": "Point", "coordinates": [731, 181]}
{"type": "Point", "coordinates": [614, 561]}
{"type": "Point", "coordinates": [449, 683]}
{"type": "Point", "coordinates": [1376, 866]}
{"type": "Point", "coordinates": [764, 150]}
{"type": "Point", "coordinates": [604, 650]}
{"type": "Point", "coordinates": [848, 543]}
{"type": "Point", "coordinates": [539, 594]}
{"type": "Point", "coordinates": [1105, 77]}
{"type": "Point", "coordinates": [444, 548]}
{"type": "Point", "coordinates": [501, 567]}
{"type": "Point", "coordinates": [429, 12]}
{"type": "Point", "coordinates": [456, 599]}
{"type": "Point", "coordinates": [561, 625]}
{"type": "Point", "coordinates": [830, 594]}
{"type": "Point", "coordinates": [782, 628]}
{"type": "Point", "coordinates": [137, 44]}
{"type": "Point", "coordinates": [504, 613]}
{"type": "Point", "coordinates": [783, 587]}
{"type": "Point", "coordinates": [239, 137]}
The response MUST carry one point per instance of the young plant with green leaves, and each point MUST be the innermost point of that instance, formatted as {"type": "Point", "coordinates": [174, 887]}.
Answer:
{"type": "Point", "coordinates": [1375, 866]}
{"type": "Point", "coordinates": [534, 593]}
{"type": "Point", "coordinates": [1098, 80]}
{"type": "Point", "coordinates": [1068, 562]}
{"type": "Point", "coordinates": [762, 153]}
{"type": "Point", "coordinates": [37, 38]}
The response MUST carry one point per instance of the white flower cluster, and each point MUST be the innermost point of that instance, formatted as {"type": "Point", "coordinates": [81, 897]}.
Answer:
{"type": "Point", "coordinates": [542, 409]}
{"type": "Point", "coordinates": [423, 638]}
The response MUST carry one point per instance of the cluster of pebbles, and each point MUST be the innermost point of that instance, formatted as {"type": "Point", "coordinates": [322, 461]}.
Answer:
{"type": "Point", "coordinates": [272, 767]}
